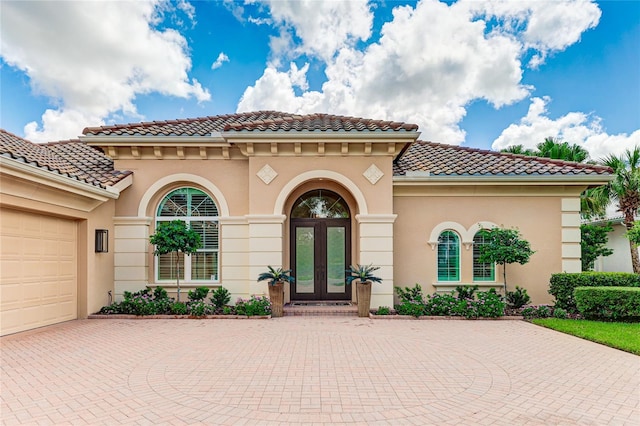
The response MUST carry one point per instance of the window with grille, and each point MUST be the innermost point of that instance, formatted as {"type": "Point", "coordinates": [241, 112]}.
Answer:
{"type": "Point", "coordinates": [448, 256]}
{"type": "Point", "coordinates": [481, 271]}
{"type": "Point", "coordinates": [200, 213]}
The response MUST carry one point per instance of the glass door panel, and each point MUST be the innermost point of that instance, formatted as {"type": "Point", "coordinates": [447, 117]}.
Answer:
{"type": "Point", "coordinates": [336, 238]}
{"type": "Point", "coordinates": [305, 259]}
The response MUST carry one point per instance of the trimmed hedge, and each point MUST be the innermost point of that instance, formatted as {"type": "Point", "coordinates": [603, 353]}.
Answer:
{"type": "Point", "coordinates": [562, 285]}
{"type": "Point", "coordinates": [608, 303]}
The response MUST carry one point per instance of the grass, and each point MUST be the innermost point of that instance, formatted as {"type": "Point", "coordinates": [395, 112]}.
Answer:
{"type": "Point", "coordinates": [619, 335]}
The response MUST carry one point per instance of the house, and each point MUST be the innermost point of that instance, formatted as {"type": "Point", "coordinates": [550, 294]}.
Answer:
{"type": "Point", "coordinates": [620, 259]}
{"type": "Point", "coordinates": [314, 193]}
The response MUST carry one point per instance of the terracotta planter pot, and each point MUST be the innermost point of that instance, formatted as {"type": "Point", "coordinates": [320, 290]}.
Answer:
{"type": "Point", "coordinates": [363, 291]}
{"type": "Point", "coordinates": [276, 295]}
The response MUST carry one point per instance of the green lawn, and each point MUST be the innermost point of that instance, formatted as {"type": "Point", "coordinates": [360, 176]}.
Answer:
{"type": "Point", "coordinates": [620, 335]}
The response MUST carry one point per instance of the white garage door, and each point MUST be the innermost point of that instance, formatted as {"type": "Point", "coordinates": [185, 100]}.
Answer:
{"type": "Point", "coordinates": [38, 272]}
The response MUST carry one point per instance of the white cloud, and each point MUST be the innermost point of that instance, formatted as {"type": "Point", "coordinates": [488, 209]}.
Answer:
{"type": "Point", "coordinates": [323, 27]}
{"type": "Point", "coordinates": [221, 59]}
{"type": "Point", "coordinates": [574, 127]}
{"type": "Point", "coordinates": [430, 62]}
{"type": "Point", "coordinates": [60, 124]}
{"type": "Point", "coordinates": [94, 58]}
{"type": "Point", "coordinates": [549, 26]}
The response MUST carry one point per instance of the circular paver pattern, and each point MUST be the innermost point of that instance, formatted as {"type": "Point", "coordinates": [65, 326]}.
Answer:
{"type": "Point", "coordinates": [313, 371]}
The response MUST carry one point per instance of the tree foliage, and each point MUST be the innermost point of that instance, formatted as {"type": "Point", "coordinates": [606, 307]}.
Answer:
{"type": "Point", "coordinates": [633, 234]}
{"type": "Point", "coordinates": [519, 149]}
{"type": "Point", "coordinates": [504, 246]}
{"type": "Point", "coordinates": [559, 150]}
{"type": "Point", "coordinates": [553, 148]}
{"type": "Point", "coordinates": [624, 190]}
{"type": "Point", "coordinates": [175, 237]}
{"type": "Point", "coordinates": [593, 243]}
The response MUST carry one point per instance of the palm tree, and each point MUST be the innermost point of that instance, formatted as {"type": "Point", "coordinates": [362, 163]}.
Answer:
{"type": "Point", "coordinates": [518, 149]}
{"type": "Point", "coordinates": [552, 148]}
{"type": "Point", "coordinates": [556, 149]}
{"type": "Point", "coordinates": [623, 189]}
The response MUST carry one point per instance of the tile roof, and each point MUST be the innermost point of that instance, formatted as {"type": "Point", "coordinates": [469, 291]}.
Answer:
{"type": "Point", "coordinates": [450, 160]}
{"type": "Point", "coordinates": [250, 122]}
{"type": "Point", "coordinates": [73, 159]}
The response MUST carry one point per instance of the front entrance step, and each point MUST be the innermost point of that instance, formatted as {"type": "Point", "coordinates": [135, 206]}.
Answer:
{"type": "Point", "coordinates": [321, 308]}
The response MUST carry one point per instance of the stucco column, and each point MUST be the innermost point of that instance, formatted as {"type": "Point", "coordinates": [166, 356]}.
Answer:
{"type": "Point", "coordinates": [234, 256]}
{"type": "Point", "coordinates": [131, 265]}
{"type": "Point", "coordinates": [265, 248]}
{"type": "Point", "coordinates": [375, 233]}
{"type": "Point", "coordinates": [571, 251]}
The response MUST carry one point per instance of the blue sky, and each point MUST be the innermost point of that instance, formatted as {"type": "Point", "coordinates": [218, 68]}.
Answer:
{"type": "Point", "coordinates": [472, 73]}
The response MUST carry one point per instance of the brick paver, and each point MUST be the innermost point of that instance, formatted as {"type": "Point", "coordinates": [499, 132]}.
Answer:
{"type": "Point", "coordinates": [313, 370]}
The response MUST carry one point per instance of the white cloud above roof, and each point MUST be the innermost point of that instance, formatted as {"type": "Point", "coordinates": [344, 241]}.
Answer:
{"type": "Point", "coordinates": [94, 58]}
{"type": "Point", "coordinates": [429, 64]}
{"type": "Point", "coordinates": [574, 127]}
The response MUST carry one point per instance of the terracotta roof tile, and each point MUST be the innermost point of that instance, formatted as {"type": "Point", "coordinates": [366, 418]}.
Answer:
{"type": "Point", "coordinates": [450, 160]}
{"type": "Point", "coordinates": [73, 159]}
{"type": "Point", "coordinates": [259, 121]}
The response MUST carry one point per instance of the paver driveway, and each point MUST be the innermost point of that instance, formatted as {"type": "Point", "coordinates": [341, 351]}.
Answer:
{"type": "Point", "coordinates": [300, 370]}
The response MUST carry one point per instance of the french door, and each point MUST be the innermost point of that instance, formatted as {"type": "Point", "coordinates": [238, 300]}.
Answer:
{"type": "Point", "coordinates": [320, 255]}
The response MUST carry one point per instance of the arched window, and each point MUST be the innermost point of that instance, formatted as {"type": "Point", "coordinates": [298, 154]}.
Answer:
{"type": "Point", "coordinates": [448, 256]}
{"type": "Point", "coordinates": [481, 271]}
{"type": "Point", "coordinates": [320, 204]}
{"type": "Point", "coordinates": [200, 213]}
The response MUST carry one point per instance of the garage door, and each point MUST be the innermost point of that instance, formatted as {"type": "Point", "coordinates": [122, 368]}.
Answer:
{"type": "Point", "coordinates": [38, 273]}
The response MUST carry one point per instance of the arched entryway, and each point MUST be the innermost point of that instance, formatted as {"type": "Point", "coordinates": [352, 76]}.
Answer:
{"type": "Point", "coordinates": [320, 242]}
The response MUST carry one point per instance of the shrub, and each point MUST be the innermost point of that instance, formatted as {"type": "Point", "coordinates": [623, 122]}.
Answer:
{"type": "Point", "coordinates": [490, 304]}
{"type": "Point", "coordinates": [254, 306]}
{"type": "Point", "coordinates": [559, 313]}
{"type": "Point", "coordinates": [562, 285]}
{"type": "Point", "coordinates": [199, 309]}
{"type": "Point", "coordinates": [518, 298]}
{"type": "Point", "coordinates": [407, 294]}
{"type": "Point", "coordinates": [198, 294]}
{"type": "Point", "coordinates": [466, 291]}
{"type": "Point", "coordinates": [440, 304]}
{"type": "Point", "coordinates": [608, 303]}
{"type": "Point", "coordinates": [142, 302]}
{"type": "Point", "coordinates": [220, 297]}
{"type": "Point", "coordinates": [487, 304]}
{"type": "Point", "coordinates": [413, 308]}
{"type": "Point", "coordinates": [383, 310]}
{"type": "Point", "coordinates": [467, 308]}
{"type": "Point", "coordinates": [179, 308]}
{"type": "Point", "coordinates": [541, 311]}
{"type": "Point", "coordinates": [227, 310]}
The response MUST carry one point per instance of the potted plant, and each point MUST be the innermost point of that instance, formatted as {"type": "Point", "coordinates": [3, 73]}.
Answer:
{"type": "Point", "coordinates": [364, 275]}
{"type": "Point", "coordinates": [276, 279]}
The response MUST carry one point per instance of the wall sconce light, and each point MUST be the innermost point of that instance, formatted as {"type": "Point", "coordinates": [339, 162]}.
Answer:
{"type": "Point", "coordinates": [102, 240]}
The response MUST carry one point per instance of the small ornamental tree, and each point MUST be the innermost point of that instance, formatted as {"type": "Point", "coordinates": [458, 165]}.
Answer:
{"type": "Point", "coordinates": [633, 234]}
{"type": "Point", "coordinates": [175, 237]}
{"type": "Point", "coordinates": [503, 246]}
{"type": "Point", "coordinates": [593, 243]}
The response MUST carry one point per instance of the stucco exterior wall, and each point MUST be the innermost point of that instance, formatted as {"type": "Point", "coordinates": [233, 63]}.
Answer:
{"type": "Point", "coordinates": [537, 217]}
{"type": "Point", "coordinates": [620, 260]}
{"type": "Point", "coordinates": [254, 224]}
{"type": "Point", "coordinates": [229, 176]}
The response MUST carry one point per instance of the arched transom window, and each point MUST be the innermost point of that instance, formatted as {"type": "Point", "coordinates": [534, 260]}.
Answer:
{"type": "Point", "coordinates": [448, 256]}
{"type": "Point", "coordinates": [320, 204]}
{"type": "Point", "coordinates": [481, 271]}
{"type": "Point", "coordinates": [200, 213]}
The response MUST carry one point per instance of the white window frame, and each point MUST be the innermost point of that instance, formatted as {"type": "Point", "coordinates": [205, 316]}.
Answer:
{"type": "Point", "coordinates": [473, 264]}
{"type": "Point", "coordinates": [188, 219]}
